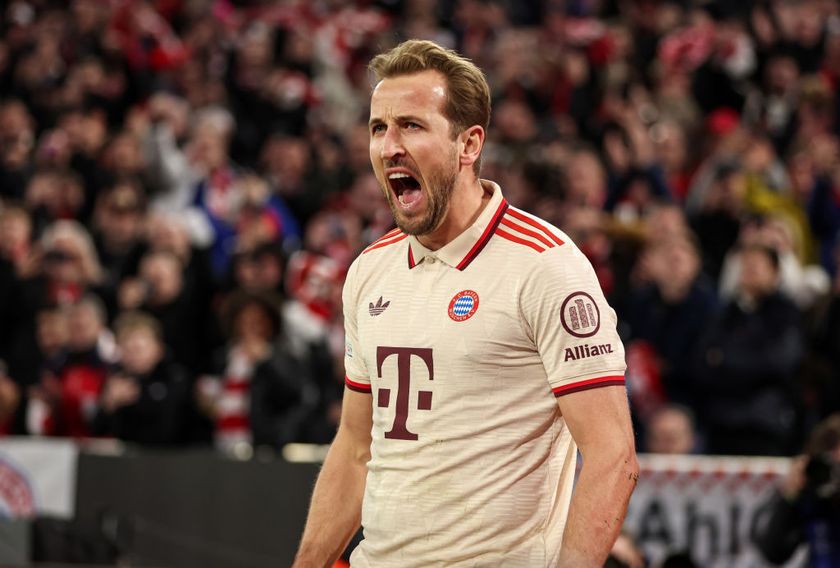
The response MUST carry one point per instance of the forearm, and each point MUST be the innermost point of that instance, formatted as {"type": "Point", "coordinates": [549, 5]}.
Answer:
{"type": "Point", "coordinates": [335, 511]}
{"type": "Point", "coordinates": [598, 507]}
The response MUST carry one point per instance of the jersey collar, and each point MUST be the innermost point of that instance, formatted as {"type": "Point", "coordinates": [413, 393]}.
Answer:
{"type": "Point", "coordinates": [462, 250]}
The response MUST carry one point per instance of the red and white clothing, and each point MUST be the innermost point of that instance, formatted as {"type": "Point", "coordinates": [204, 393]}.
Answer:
{"type": "Point", "coordinates": [233, 404]}
{"type": "Point", "coordinates": [464, 351]}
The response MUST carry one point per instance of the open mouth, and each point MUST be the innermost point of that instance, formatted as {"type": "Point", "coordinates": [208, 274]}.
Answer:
{"type": "Point", "coordinates": [405, 187]}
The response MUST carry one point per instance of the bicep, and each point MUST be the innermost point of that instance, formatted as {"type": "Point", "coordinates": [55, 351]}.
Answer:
{"type": "Point", "coordinates": [598, 418]}
{"type": "Point", "coordinates": [356, 422]}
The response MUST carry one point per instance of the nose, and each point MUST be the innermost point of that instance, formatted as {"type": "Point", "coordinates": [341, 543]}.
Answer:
{"type": "Point", "coordinates": [391, 144]}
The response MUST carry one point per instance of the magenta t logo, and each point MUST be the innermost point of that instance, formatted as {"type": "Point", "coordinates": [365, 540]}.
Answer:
{"type": "Point", "coordinates": [399, 430]}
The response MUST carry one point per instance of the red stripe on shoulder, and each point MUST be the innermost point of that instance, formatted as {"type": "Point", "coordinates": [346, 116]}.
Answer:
{"type": "Point", "coordinates": [505, 235]}
{"type": "Point", "coordinates": [381, 244]}
{"type": "Point", "coordinates": [525, 219]}
{"type": "Point", "coordinates": [617, 380]}
{"type": "Point", "coordinates": [386, 236]}
{"type": "Point", "coordinates": [533, 234]}
{"type": "Point", "coordinates": [358, 387]}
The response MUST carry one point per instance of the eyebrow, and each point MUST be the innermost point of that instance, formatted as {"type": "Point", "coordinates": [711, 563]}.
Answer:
{"type": "Point", "coordinates": [401, 118]}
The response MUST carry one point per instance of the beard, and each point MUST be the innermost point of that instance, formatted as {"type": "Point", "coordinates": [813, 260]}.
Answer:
{"type": "Point", "coordinates": [438, 194]}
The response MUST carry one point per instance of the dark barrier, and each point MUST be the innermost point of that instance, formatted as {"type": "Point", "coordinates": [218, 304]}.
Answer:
{"type": "Point", "coordinates": [195, 508]}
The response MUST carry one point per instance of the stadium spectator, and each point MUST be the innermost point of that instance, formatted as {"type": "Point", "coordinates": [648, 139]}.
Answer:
{"type": "Point", "coordinates": [745, 373]}
{"type": "Point", "coordinates": [65, 401]}
{"type": "Point", "coordinates": [160, 289]}
{"type": "Point", "coordinates": [805, 508]}
{"type": "Point", "coordinates": [604, 110]}
{"type": "Point", "coordinates": [145, 396]}
{"type": "Point", "coordinates": [671, 430]}
{"type": "Point", "coordinates": [260, 394]}
{"type": "Point", "coordinates": [667, 313]}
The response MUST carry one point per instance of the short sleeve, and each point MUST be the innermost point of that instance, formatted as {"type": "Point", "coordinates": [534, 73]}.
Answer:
{"type": "Point", "coordinates": [571, 324]}
{"type": "Point", "coordinates": [356, 375]}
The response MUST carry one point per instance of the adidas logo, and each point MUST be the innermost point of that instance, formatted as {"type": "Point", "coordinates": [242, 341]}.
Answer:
{"type": "Point", "coordinates": [377, 309]}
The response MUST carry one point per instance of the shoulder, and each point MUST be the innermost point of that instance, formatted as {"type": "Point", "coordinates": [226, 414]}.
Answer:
{"type": "Point", "coordinates": [386, 250]}
{"type": "Point", "coordinates": [391, 237]}
{"type": "Point", "coordinates": [529, 232]}
{"type": "Point", "coordinates": [536, 249]}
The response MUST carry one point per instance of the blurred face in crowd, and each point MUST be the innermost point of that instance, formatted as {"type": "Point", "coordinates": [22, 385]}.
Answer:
{"type": "Point", "coordinates": [585, 180]}
{"type": "Point", "coordinates": [759, 276]}
{"type": "Point", "coordinates": [52, 332]}
{"type": "Point", "coordinates": [208, 146]}
{"type": "Point", "coordinates": [728, 192]}
{"type": "Point", "coordinates": [670, 432]}
{"type": "Point", "coordinates": [166, 233]}
{"type": "Point", "coordinates": [15, 232]}
{"type": "Point", "coordinates": [124, 154]}
{"type": "Point", "coordinates": [286, 159]}
{"type": "Point", "coordinates": [121, 217]}
{"type": "Point", "coordinates": [413, 152]}
{"type": "Point", "coordinates": [63, 262]}
{"type": "Point", "coordinates": [16, 134]}
{"type": "Point", "coordinates": [515, 121]}
{"type": "Point", "coordinates": [163, 273]}
{"type": "Point", "coordinates": [674, 263]}
{"type": "Point", "coordinates": [84, 326]}
{"type": "Point", "coordinates": [253, 322]}
{"type": "Point", "coordinates": [669, 138]}
{"type": "Point", "coordinates": [140, 350]}
{"type": "Point", "coordinates": [782, 74]}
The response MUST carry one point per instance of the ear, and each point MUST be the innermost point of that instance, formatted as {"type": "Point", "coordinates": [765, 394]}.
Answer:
{"type": "Point", "coordinates": [472, 141]}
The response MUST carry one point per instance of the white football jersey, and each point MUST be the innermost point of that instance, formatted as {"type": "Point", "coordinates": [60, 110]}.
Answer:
{"type": "Point", "coordinates": [463, 351]}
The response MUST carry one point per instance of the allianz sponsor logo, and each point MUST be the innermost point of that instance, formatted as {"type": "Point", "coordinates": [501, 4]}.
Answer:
{"type": "Point", "coordinates": [584, 351]}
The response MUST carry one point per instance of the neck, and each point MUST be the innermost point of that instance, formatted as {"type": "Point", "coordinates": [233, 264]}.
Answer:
{"type": "Point", "coordinates": [468, 201]}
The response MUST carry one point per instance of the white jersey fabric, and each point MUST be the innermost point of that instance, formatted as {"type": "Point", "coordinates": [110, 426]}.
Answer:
{"type": "Point", "coordinates": [464, 350]}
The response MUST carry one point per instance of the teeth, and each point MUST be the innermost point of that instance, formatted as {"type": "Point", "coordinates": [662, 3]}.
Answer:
{"type": "Point", "coordinates": [398, 176]}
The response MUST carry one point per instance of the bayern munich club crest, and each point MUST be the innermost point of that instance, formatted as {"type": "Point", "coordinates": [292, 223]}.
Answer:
{"type": "Point", "coordinates": [463, 305]}
{"type": "Point", "coordinates": [580, 315]}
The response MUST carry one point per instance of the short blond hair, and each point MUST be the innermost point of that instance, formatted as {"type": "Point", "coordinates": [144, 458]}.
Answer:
{"type": "Point", "coordinates": [129, 322]}
{"type": "Point", "coordinates": [467, 92]}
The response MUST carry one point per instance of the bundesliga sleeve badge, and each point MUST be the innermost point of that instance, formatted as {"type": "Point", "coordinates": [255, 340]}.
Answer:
{"type": "Point", "coordinates": [463, 305]}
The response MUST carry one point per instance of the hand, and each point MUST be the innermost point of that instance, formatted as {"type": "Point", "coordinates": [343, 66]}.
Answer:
{"type": "Point", "coordinates": [794, 483]}
{"type": "Point", "coordinates": [255, 348]}
{"type": "Point", "coordinates": [207, 392]}
{"type": "Point", "coordinates": [119, 391]}
{"type": "Point", "coordinates": [167, 108]}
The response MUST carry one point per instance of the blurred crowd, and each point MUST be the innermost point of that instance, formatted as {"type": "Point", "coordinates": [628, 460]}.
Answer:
{"type": "Point", "coordinates": [183, 184]}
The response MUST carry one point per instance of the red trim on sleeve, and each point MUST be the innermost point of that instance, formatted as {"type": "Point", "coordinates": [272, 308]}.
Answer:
{"type": "Point", "coordinates": [617, 380]}
{"type": "Point", "coordinates": [358, 387]}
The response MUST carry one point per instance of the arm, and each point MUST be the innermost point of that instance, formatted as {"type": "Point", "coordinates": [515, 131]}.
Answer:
{"type": "Point", "coordinates": [599, 421]}
{"type": "Point", "coordinates": [336, 508]}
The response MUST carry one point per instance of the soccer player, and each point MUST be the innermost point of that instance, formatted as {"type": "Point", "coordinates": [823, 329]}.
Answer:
{"type": "Point", "coordinates": [481, 355]}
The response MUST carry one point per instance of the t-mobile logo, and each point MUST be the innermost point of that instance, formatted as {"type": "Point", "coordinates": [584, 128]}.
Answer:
{"type": "Point", "coordinates": [399, 430]}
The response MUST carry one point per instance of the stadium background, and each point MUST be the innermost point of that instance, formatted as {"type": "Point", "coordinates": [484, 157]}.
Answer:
{"type": "Point", "coordinates": [188, 180]}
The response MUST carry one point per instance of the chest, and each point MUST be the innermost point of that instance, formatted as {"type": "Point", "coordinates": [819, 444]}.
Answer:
{"type": "Point", "coordinates": [456, 319]}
